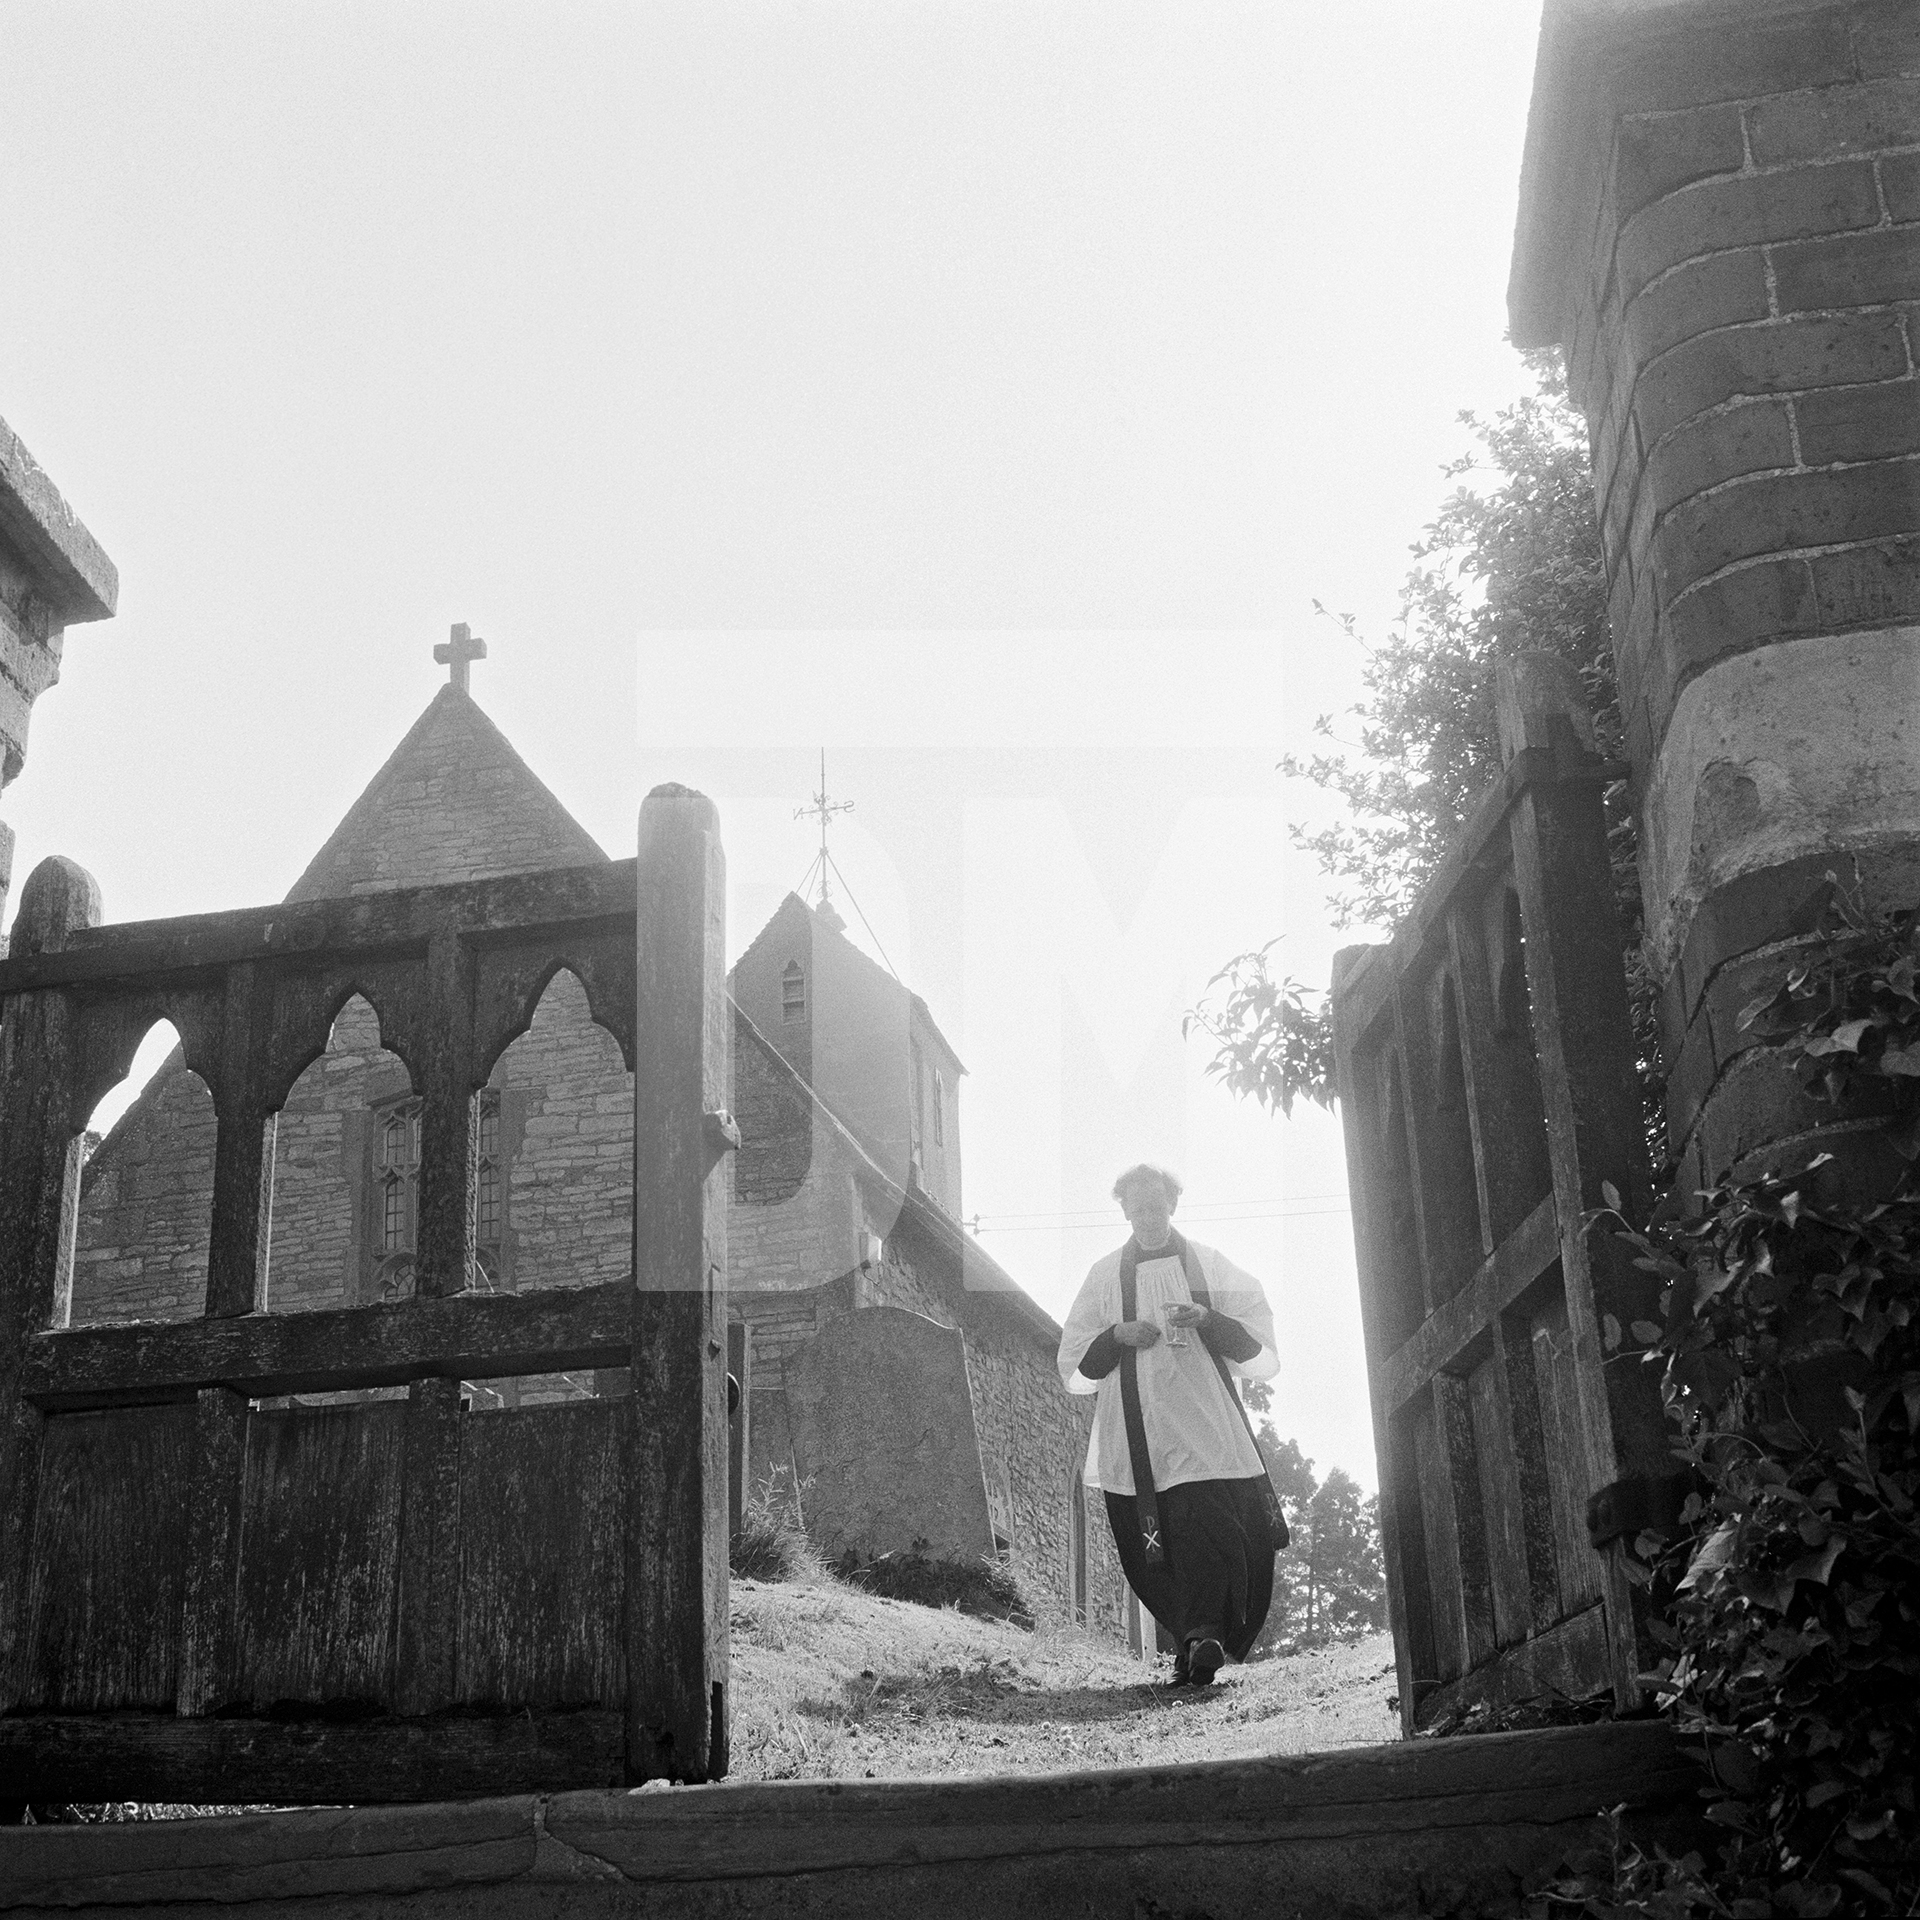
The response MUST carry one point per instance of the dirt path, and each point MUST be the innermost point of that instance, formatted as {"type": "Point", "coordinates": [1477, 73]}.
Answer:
{"type": "Point", "coordinates": [829, 1683]}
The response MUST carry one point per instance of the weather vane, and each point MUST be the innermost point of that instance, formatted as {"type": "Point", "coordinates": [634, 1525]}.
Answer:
{"type": "Point", "coordinates": [822, 809]}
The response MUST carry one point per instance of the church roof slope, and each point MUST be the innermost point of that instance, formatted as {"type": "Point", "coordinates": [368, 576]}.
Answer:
{"type": "Point", "coordinates": [454, 802]}
{"type": "Point", "coordinates": [793, 905]}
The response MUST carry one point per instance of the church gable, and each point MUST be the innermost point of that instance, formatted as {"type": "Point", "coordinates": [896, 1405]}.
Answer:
{"type": "Point", "coordinates": [454, 802]}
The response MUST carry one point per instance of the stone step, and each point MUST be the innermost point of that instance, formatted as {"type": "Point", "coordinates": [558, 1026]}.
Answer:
{"type": "Point", "coordinates": [1425, 1826]}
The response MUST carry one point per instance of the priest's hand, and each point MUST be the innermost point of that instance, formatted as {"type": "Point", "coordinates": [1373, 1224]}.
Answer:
{"type": "Point", "coordinates": [1136, 1333]}
{"type": "Point", "coordinates": [1188, 1313]}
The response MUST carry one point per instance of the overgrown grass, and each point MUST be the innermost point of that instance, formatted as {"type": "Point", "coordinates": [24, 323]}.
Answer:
{"type": "Point", "coordinates": [770, 1543]}
{"type": "Point", "coordinates": [984, 1587]}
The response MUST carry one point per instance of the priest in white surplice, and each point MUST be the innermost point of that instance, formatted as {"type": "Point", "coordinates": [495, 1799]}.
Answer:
{"type": "Point", "coordinates": [1156, 1332]}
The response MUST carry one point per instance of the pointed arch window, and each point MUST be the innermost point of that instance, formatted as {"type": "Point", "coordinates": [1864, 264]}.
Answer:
{"type": "Point", "coordinates": [396, 1197]}
{"type": "Point", "coordinates": [793, 992]}
{"type": "Point", "coordinates": [489, 1186]}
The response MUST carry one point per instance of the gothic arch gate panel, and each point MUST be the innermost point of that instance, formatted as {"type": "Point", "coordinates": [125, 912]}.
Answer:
{"type": "Point", "coordinates": [1486, 1078]}
{"type": "Point", "coordinates": [383, 1597]}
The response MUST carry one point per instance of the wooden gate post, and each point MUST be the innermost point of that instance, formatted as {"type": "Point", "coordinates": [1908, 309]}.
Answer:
{"type": "Point", "coordinates": [676, 1460]}
{"type": "Point", "coordinates": [1585, 1039]}
{"type": "Point", "coordinates": [39, 1166]}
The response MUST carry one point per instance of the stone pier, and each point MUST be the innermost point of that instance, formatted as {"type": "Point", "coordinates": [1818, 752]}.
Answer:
{"type": "Point", "coordinates": [53, 575]}
{"type": "Point", "coordinates": [1720, 223]}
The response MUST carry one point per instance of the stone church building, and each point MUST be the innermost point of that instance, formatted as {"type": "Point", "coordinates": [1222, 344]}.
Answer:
{"type": "Point", "coordinates": [900, 1386]}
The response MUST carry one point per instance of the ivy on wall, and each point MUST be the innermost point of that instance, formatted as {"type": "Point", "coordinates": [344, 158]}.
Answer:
{"type": "Point", "coordinates": [1788, 1600]}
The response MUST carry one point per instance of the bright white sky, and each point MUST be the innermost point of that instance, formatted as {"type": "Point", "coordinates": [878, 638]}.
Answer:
{"type": "Point", "coordinates": [983, 393]}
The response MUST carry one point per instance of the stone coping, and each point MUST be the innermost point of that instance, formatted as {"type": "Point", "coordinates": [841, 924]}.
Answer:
{"type": "Point", "coordinates": [1363, 1828]}
{"type": "Point", "coordinates": [69, 568]}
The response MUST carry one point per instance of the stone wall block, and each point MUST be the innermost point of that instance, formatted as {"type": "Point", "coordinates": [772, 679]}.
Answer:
{"type": "Point", "coordinates": [1745, 212]}
{"type": "Point", "coordinates": [1775, 513]}
{"type": "Point", "coordinates": [1719, 291]}
{"type": "Point", "coordinates": [1846, 349]}
{"type": "Point", "coordinates": [1860, 423]}
{"type": "Point", "coordinates": [1834, 122]}
{"type": "Point", "coordinates": [1851, 270]}
{"type": "Point", "coordinates": [1886, 39]}
{"type": "Point", "coordinates": [1690, 69]}
{"type": "Point", "coordinates": [1759, 1119]}
{"type": "Point", "coordinates": [1658, 154]}
{"type": "Point", "coordinates": [1771, 601]}
{"type": "Point", "coordinates": [1871, 585]}
{"type": "Point", "coordinates": [1900, 176]}
{"type": "Point", "coordinates": [1716, 447]}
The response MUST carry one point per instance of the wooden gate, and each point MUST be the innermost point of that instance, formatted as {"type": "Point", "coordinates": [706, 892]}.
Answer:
{"type": "Point", "coordinates": [205, 1599]}
{"type": "Point", "coordinates": [1486, 1076]}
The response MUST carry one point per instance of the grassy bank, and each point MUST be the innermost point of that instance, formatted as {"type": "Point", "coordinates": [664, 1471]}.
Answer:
{"type": "Point", "coordinates": [831, 1683]}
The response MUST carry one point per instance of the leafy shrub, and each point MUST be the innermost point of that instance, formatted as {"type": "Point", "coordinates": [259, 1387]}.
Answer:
{"type": "Point", "coordinates": [983, 1587]}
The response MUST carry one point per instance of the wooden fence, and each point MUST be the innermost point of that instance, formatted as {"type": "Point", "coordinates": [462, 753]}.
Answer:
{"type": "Point", "coordinates": [1486, 1074]}
{"type": "Point", "coordinates": [205, 1599]}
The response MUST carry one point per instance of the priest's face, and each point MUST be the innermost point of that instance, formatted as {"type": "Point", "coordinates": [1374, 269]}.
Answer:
{"type": "Point", "coordinates": [1149, 1213]}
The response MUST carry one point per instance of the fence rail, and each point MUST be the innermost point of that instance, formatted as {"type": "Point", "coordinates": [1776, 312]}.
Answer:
{"type": "Point", "coordinates": [205, 1597]}
{"type": "Point", "coordinates": [1487, 1077]}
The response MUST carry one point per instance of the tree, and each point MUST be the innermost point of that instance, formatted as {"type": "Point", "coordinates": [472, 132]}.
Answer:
{"type": "Point", "coordinates": [1346, 1583]}
{"type": "Point", "coordinates": [1511, 567]}
{"type": "Point", "coordinates": [1330, 1582]}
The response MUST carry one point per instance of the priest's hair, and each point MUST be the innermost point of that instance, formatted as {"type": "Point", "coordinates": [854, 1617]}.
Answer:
{"type": "Point", "coordinates": [1147, 1171]}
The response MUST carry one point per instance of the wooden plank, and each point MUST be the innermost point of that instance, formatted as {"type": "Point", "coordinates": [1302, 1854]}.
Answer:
{"type": "Point", "coordinates": [1410, 1585]}
{"type": "Point", "coordinates": [442, 1070]}
{"type": "Point", "coordinates": [22, 1446]}
{"type": "Point", "coordinates": [1493, 1458]}
{"type": "Point", "coordinates": [320, 1550]}
{"type": "Point", "coordinates": [106, 1564]}
{"type": "Point", "coordinates": [1428, 1215]}
{"type": "Point", "coordinates": [1532, 1479]}
{"type": "Point", "coordinates": [1460, 1473]}
{"type": "Point", "coordinates": [236, 1255]}
{"type": "Point", "coordinates": [39, 1180]}
{"type": "Point", "coordinates": [1569, 1467]}
{"type": "Point", "coordinates": [541, 1558]}
{"type": "Point", "coordinates": [1439, 1140]}
{"type": "Point", "coordinates": [1576, 979]}
{"type": "Point", "coordinates": [1512, 1268]}
{"type": "Point", "coordinates": [472, 1337]}
{"type": "Point", "coordinates": [430, 1509]}
{"type": "Point", "coordinates": [216, 1496]}
{"type": "Point", "coordinates": [511, 907]}
{"type": "Point", "coordinates": [1568, 1661]}
{"type": "Point", "coordinates": [676, 1465]}
{"type": "Point", "coordinates": [48, 1757]}
{"type": "Point", "coordinates": [1387, 1265]}
{"type": "Point", "coordinates": [1508, 1122]}
{"type": "Point", "coordinates": [1441, 1542]}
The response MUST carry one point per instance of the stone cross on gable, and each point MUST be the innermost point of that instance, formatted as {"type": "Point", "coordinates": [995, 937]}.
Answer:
{"type": "Point", "coordinates": [457, 654]}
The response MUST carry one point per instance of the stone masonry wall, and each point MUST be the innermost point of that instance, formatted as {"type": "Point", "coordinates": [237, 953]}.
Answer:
{"type": "Point", "coordinates": [567, 1111]}
{"type": "Point", "coordinates": [1033, 1435]}
{"type": "Point", "coordinates": [570, 1180]}
{"type": "Point", "coordinates": [803, 1250]}
{"type": "Point", "coordinates": [793, 1219]}
{"type": "Point", "coordinates": [454, 802]}
{"type": "Point", "coordinates": [146, 1207]}
{"type": "Point", "coordinates": [1742, 331]}
{"type": "Point", "coordinates": [321, 1226]}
